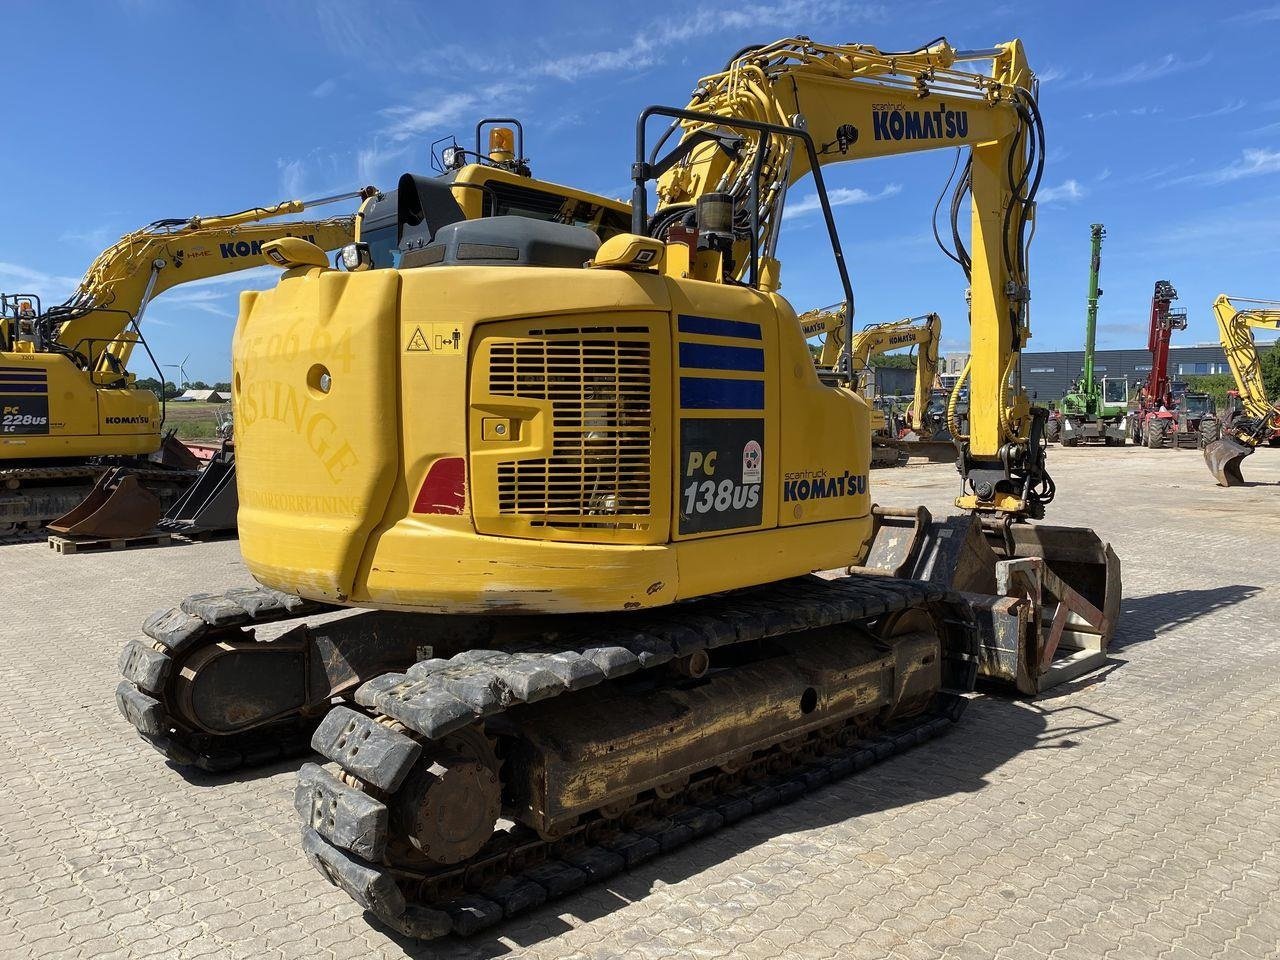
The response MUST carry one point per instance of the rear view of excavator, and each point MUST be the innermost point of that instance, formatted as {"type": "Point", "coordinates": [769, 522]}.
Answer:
{"type": "Point", "coordinates": [1258, 419]}
{"type": "Point", "coordinates": [580, 478]}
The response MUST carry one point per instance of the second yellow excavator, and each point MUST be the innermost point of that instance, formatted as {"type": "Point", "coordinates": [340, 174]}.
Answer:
{"type": "Point", "coordinates": [923, 332]}
{"type": "Point", "coordinates": [1258, 419]}
{"type": "Point", "coordinates": [581, 486]}
{"type": "Point", "coordinates": [69, 408]}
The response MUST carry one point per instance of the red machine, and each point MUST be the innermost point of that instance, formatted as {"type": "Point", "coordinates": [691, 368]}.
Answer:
{"type": "Point", "coordinates": [1167, 410]}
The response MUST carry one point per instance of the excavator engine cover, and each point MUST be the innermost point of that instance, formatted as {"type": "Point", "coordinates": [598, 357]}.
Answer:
{"type": "Point", "coordinates": [1223, 458]}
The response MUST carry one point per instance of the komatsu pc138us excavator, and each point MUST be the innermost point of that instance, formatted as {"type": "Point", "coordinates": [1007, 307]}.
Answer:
{"type": "Point", "coordinates": [581, 489]}
{"type": "Point", "coordinates": [69, 410]}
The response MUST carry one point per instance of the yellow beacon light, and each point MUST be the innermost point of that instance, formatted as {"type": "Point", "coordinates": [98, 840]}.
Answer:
{"type": "Point", "coordinates": [502, 144]}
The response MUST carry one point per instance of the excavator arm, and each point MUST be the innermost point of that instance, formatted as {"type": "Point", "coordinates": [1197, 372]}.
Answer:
{"type": "Point", "coordinates": [97, 325]}
{"type": "Point", "coordinates": [1261, 416]}
{"type": "Point", "coordinates": [857, 102]}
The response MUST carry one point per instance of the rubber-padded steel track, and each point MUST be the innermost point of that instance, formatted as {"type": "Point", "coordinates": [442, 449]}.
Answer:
{"type": "Point", "coordinates": [349, 833]}
{"type": "Point", "coordinates": [170, 635]}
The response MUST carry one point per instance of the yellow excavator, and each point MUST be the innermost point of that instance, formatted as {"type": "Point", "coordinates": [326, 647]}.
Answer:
{"type": "Point", "coordinates": [580, 487]}
{"type": "Point", "coordinates": [1258, 420]}
{"type": "Point", "coordinates": [69, 409]}
{"type": "Point", "coordinates": [923, 332]}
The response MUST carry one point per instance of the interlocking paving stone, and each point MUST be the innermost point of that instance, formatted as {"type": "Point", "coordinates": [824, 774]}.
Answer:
{"type": "Point", "coordinates": [1134, 813]}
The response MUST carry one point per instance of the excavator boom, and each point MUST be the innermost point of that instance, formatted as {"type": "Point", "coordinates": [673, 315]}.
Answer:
{"type": "Point", "coordinates": [1259, 419]}
{"type": "Point", "coordinates": [71, 412]}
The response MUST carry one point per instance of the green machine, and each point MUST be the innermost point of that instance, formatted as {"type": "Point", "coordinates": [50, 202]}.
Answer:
{"type": "Point", "coordinates": [1094, 410]}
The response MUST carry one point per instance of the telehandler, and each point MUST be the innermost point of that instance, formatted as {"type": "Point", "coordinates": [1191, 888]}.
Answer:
{"type": "Point", "coordinates": [1094, 409]}
{"type": "Point", "coordinates": [584, 485]}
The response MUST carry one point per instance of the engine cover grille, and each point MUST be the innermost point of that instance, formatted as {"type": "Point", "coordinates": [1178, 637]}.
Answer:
{"type": "Point", "coordinates": [598, 381]}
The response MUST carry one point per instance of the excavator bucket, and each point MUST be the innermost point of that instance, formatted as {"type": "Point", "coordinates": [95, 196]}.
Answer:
{"type": "Point", "coordinates": [1046, 599]}
{"type": "Point", "coordinates": [210, 504]}
{"type": "Point", "coordinates": [176, 454]}
{"type": "Point", "coordinates": [117, 506]}
{"type": "Point", "coordinates": [1223, 458]}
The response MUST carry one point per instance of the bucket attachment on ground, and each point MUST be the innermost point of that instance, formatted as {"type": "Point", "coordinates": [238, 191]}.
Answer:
{"type": "Point", "coordinates": [176, 454]}
{"type": "Point", "coordinates": [210, 504]}
{"type": "Point", "coordinates": [1223, 458]}
{"type": "Point", "coordinates": [1046, 598]}
{"type": "Point", "coordinates": [117, 506]}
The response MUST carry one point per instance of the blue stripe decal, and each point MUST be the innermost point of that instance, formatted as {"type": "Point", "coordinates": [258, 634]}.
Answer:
{"type": "Point", "coordinates": [21, 373]}
{"type": "Point", "coordinates": [705, 393]}
{"type": "Point", "coordinates": [24, 387]}
{"type": "Point", "coordinates": [711, 326]}
{"type": "Point", "coordinates": [708, 356]}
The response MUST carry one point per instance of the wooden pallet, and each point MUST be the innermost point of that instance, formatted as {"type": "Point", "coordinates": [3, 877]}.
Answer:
{"type": "Point", "coordinates": [70, 545]}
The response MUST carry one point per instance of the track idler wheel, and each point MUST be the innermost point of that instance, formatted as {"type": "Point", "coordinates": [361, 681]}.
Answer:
{"type": "Point", "coordinates": [1223, 458]}
{"type": "Point", "coordinates": [451, 801]}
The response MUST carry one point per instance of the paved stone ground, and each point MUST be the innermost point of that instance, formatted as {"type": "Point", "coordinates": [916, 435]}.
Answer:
{"type": "Point", "coordinates": [1135, 813]}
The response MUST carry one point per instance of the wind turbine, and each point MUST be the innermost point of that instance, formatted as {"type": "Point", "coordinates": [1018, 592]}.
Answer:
{"type": "Point", "coordinates": [182, 370]}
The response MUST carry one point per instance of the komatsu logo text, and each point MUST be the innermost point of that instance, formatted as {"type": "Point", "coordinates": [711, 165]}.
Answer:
{"type": "Point", "coordinates": [119, 420]}
{"type": "Point", "coordinates": [902, 338]}
{"type": "Point", "coordinates": [250, 248]}
{"type": "Point", "coordinates": [891, 122]}
{"type": "Point", "coordinates": [817, 485]}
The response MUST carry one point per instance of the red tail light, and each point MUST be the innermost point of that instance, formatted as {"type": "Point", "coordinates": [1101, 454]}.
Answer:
{"type": "Point", "coordinates": [445, 488]}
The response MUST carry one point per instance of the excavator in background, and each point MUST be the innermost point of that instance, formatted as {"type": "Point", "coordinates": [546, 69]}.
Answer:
{"type": "Point", "coordinates": [1167, 410]}
{"type": "Point", "coordinates": [924, 332]}
{"type": "Point", "coordinates": [78, 440]}
{"type": "Point", "coordinates": [1258, 420]}
{"type": "Point", "coordinates": [573, 492]}
{"type": "Point", "coordinates": [1094, 410]}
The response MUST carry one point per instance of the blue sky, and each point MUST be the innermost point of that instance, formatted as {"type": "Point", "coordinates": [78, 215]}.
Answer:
{"type": "Point", "coordinates": [1163, 122]}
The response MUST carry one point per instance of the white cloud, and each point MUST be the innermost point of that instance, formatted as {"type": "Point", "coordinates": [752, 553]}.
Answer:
{"type": "Point", "coordinates": [1147, 70]}
{"type": "Point", "coordinates": [839, 197]}
{"type": "Point", "coordinates": [292, 176]}
{"type": "Point", "coordinates": [1116, 112]}
{"type": "Point", "coordinates": [95, 238]}
{"type": "Point", "coordinates": [206, 301]}
{"type": "Point", "coordinates": [1231, 106]}
{"type": "Point", "coordinates": [1050, 74]}
{"type": "Point", "coordinates": [50, 288]}
{"type": "Point", "coordinates": [1253, 162]}
{"type": "Point", "coordinates": [1261, 15]}
{"type": "Point", "coordinates": [650, 44]}
{"type": "Point", "coordinates": [325, 87]}
{"type": "Point", "coordinates": [1068, 190]}
{"type": "Point", "coordinates": [440, 110]}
